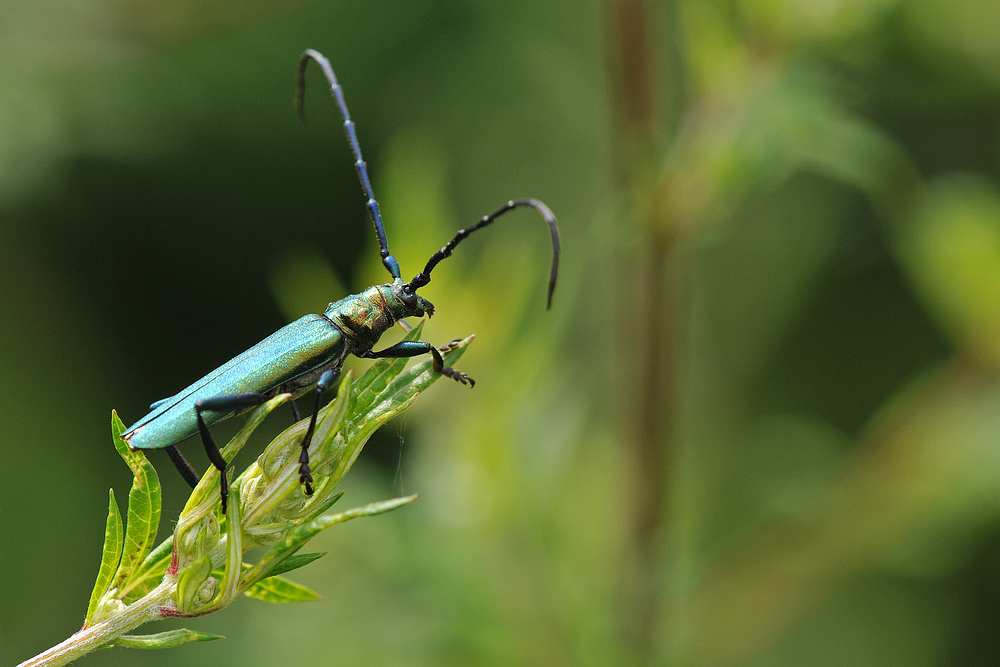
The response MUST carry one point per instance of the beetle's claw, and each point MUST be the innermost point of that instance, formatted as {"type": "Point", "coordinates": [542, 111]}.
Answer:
{"type": "Point", "coordinates": [306, 478]}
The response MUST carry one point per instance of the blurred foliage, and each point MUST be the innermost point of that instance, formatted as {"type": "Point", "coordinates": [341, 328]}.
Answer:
{"type": "Point", "coordinates": [760, 425]}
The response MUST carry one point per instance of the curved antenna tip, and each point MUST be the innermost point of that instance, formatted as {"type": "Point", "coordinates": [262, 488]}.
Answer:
{"type": "Point", "coordinates": [550, 219]}
{"type": "Point", "coordinates": [300, 88]}
{"type": "Point", "coordinates": [424, 276]}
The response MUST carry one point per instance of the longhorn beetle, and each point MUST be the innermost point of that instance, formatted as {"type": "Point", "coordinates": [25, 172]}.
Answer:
{"type": "Point", "coordinates": [309, 353]}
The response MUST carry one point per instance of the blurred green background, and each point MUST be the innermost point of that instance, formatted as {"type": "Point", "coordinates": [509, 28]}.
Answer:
{"type": "Point", "coordinates": [760, 425]}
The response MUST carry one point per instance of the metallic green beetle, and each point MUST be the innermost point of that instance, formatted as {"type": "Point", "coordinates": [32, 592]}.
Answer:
{"type": "Point", "coordinates": [310, 352]}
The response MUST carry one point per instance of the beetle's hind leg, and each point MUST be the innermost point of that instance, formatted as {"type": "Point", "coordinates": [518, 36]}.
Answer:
{"type": "Point", "coordinates": [223, 404]}
{"type": "Point", "coordinates": [412, 348]}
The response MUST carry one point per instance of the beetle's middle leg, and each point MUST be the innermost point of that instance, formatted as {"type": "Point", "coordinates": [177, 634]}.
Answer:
{"type": "Point", "coordinates": [182, 465]}
{"type": "Point", "coordinates": [223, 404]}
{"type": "Point", "coordinates": [326, 380]}
{"type": "Point", "coordinates": [412, 348]}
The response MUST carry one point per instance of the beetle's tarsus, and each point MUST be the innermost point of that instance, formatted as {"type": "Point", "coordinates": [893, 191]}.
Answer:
{"type": "Point", "coordinates": [458, 376]}
{"type": "Point", "coordinates": [305, 472]}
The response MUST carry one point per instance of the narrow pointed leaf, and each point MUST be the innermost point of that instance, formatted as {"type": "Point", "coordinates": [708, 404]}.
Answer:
{"type": "Point", "coordinates": [234, 558]}
{"type": "Point", "coordinates": [395, 396]}
{"type": "Point", "coordinates": [109, 559]}
{"type": "Point", "coordinates": [168, 639]}
{"type": "Point", "coordinates": [281, 591]}
{"type": "Point", "coordinates": [329, 503]}
{"type": "Point", "coordinates": [149, 573]}
{"type": "Point", "coordinates": [143, 507]}
{"type": "Point", "coordinates": [294, 563]}
{"type": "Point", "coordinates": [298, 537]}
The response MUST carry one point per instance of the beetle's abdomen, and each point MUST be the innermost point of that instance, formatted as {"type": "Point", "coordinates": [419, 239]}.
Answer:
{"type": "Point", "coordinates": [295, 350]}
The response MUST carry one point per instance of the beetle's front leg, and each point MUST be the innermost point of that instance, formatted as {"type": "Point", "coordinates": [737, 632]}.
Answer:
{"type": "Point", "coordinates": [412, 348]}
{"type": "Point", "coordinates": [223, 404]}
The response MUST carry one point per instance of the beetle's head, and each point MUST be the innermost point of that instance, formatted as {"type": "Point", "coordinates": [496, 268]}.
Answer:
{"type": "Point", "coordinates": [417, 304]}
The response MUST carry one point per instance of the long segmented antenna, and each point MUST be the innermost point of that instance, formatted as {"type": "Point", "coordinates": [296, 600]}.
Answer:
{"type": "Point", "coordinates": [424, 276]}
{"type": "Point", "coordinates": [388, 260]}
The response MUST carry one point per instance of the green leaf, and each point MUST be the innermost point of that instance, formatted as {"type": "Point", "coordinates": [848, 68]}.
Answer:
{"type": "Point", "coordinates": [149, 573]}
{"type": "Point", "coordinates": [143, 507]}
{"type": "Point", "coordinates": [168, 639]}
{"type": "Point", "coordinates": [395, 392]}
{"type": "Point", "coordinates": [331, 418]}
{"type": "Point", "coordinates": [278, 467]}
{"type": "Point", "coordinates": [229, 588]}
{"type": "Point", "coordinates": [298, 537]}
{"type": "Point", "coordinates": [110, 558]}
{"type": "Point", "coordinates": [295, 562]}
{"type": "Point", "coordinates": [280, 590]}
{"type": "Point", "coordinates": [329, 503]}
{"type": "Point", "coordinates": [274, 588]}
{"type": "Point", "coordinates": [189, 583]}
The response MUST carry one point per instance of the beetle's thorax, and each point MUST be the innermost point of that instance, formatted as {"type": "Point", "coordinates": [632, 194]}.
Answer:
{"type": "Point", "coordinates": [364, 317]}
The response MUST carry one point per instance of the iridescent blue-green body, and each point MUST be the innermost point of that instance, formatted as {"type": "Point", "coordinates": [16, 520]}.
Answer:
{"type": "Point", "coordinates": [290, 360]}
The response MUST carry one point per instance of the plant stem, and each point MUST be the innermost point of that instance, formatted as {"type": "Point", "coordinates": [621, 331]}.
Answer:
{"type": "Point", "coordinates": [79, 644]}
{"type": "Point", "coordinates": [646, 104]}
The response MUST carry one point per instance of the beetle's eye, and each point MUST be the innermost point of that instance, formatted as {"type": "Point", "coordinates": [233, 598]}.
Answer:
{"type": "Point", "coordinates": [407, 296]}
